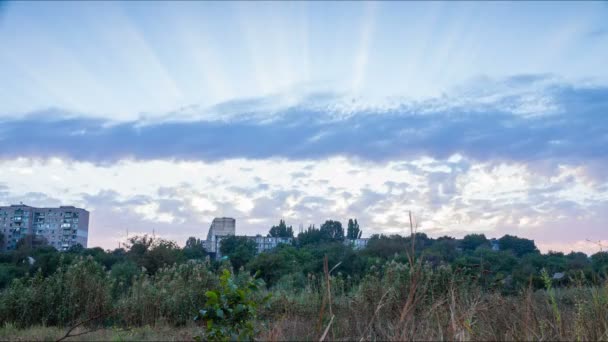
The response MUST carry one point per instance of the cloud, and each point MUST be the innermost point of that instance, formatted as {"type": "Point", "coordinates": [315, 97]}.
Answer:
{"type": "Point", "coordinates": [520, 156]}
{"type": "Point", "coordinates": [453, 196]}
{"type": "Point", "coordinates": [523, 118]}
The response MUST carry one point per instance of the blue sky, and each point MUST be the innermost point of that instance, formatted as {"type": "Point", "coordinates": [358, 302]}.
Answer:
{"type": "Point", "coordinates": [484, 117]}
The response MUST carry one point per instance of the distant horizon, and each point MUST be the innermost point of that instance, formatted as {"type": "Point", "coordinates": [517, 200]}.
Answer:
{"type": "Point", "coordinates": [479, 117]}
{"type": "Point", "coordinates": [406, 232]}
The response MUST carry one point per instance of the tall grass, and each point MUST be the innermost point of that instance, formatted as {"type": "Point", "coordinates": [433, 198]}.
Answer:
{"type": "Point", "coordinates": [448, 307]}
{"type": "Point", "coordinates": [395, 301]}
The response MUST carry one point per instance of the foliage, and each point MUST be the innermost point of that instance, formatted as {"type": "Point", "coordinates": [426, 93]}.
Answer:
{"type": "Point", "coordinates": [239, 249]}
{"type": "Point", "coordinates": [600, 262]}
{"type": "Point", "coordinates": [329, 231]}
{"type": "Point", "coordinates": [194, 249]}
{"type": "Point", "coordinates": [152, 254]}
{"type": "Point", "coordinates": [283, 260]}
{"type": "Point", "coordinates": [456, 289]}
{"type": "Point", "coordinates": [472, 241]}
{"type": "Point", "coordinates": [332, 230]}
{"type": "Point", "coordinates": [282, 230]}
{"type": "Point", "coordinates": [230, 311]}
{"type": "Point", "coordinates": [311, 235]}
{"type": "Point", "coordinates": [174, 295]}
{"type": "Point", "coordinates": [384, 246]}
{"type": "Point", "coordinates": [72, 293]}
{"type": "Point", "coordinates": [518, 246]}
{"type": "Point", "coordinates": [353, 231]}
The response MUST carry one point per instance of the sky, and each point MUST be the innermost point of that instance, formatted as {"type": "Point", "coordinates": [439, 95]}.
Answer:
{"type": "Point", "coordinates": [479, 117]}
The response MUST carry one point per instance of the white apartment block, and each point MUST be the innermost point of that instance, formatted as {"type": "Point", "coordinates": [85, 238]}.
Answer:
{"type": "Point", "coordinates": [61, 227]}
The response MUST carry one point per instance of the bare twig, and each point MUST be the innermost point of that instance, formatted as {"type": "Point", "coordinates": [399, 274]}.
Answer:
{"type": "Point", "coordinates": [327, 329]}
{"type": "Point", "coordinates": [67, 334]}
{"type": "Point", "coordinates": [378, 307]}
{"type": "Point", "coordinates": [333, 268]}
{"type": "Point", "coordinates": [598, 243]}
{"type": "Point", "coordinates": [415, 269]}
{"type": "Point", "coordinates": [327, 296]}
{"type": "Point", "coordinates": [326, 271]}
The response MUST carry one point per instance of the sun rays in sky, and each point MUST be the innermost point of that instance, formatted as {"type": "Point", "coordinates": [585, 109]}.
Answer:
{"type": "Point", "coordinates": [120, 60]}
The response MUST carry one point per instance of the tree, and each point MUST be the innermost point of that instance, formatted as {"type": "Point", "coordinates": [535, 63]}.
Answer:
{"type": "Point", "coordinates": [599, 261]}
{"type": "Point", "coordinates": [30, 241]}
{"type": "Point", "coordinates": [472, 241]}
{"type": "Point", "coordinates": [194, 249]}
{"type": "Point", "coordinates": [577, 261]}
{"type": "Point", "coordinates": [153, 253]}
{"type": "Point", "coordinates": [311, 235]}
{"type": "Point", "coordinates": [441, 250]}
{"type": "Point", "coordinates": [281, 231]}
{"type": "Point", "coordinates": [518, 246]}
{"type": "Point", "coordinates": [76, 249]}
{"type": "Point", "coordinates": [281, 261]}
{"type": "Point", "coordinates": [124, 272]}
{"type": "Point", "coordinates": [353, 232]}
{"type": "Point", "coordinates": [239, 249]}
{"type": "Point", "coordinates": [385, 247]}
{"type": "Point", "coordinates": [332, 230]}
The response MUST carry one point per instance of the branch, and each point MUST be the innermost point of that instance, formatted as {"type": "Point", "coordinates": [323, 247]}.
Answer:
{"type": "Point", "coordinates": [67, 334]}
{"type": "Point", "coordinates": [327, 329]}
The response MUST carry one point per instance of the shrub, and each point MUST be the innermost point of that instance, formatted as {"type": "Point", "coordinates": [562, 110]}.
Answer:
{"type": "Point", "coordinates": [230, 312]}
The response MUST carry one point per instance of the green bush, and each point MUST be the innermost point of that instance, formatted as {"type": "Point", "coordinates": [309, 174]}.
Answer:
{"type": "Point", "coordinates": [75, 292]}
{"type": "Point", "coordinates": [230, 312]}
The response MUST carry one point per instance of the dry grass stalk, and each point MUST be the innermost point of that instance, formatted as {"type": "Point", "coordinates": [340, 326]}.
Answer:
{"type": "Point", "coordinates": [327, 295]}
{"type": "Point", "coordinates": [378, 307]}
{"type": "Point", "coordinates": [414, 278]}
{"type": "Point", "coordinates": [327, 328]}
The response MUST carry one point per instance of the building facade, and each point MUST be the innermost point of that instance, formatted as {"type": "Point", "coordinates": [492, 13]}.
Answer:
{"type": "Point", "coordinates": [223, 227]}
{"type": "Point", "coordinates": [266, 243]}
{"type": "Point", "coordinates": [357, 244]}
{"type": "Point", "coordinates": [61, 227]}
{"type": "Point", "coordinates": [220, 227]}
{"type": "Point", "coordinates": [263, 243]}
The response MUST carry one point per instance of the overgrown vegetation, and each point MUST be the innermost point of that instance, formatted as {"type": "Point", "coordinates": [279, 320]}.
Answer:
{"type": "Point", "coordinates": [231, 311]}
{"type": "Point", "coordinates": [398, 288]}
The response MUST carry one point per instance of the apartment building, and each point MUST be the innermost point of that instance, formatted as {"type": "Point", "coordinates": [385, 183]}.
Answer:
{"type": "Point", "coordinates": [222, 227]}
{"type": "Point", "coordinates": [266, 243]}
{"type": "Point", "coordinates": [357, 244]}
{"type": "Point", "coordinates": [60, 227]}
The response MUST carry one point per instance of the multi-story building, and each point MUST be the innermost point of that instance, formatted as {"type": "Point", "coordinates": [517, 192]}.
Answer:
{"type": "Point", "coordinates": [61, 227]}
{"type": "Point", "coordinates": [220, 227]}
{"type": "Point", "coordinates": [225, 226]}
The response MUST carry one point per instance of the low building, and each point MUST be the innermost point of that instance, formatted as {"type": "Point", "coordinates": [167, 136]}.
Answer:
{"type": "Point", "coordinates": [223, 227]}
{"type": "Point", "coordinates": [357, 243]}
{"type": "Point", "coordinates": [61, 227]}
{"type": "Point", "coordinates": [266, 243]}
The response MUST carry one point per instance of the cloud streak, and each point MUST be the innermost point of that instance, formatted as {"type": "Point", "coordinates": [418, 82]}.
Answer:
{"type": "Point", "coordinates": [524, 122]}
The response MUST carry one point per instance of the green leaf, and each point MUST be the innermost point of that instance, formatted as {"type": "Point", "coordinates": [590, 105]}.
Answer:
{"type": "Point", "coordinates": [212, 297]}
{"type": "Point", "coordinates": [219, 313]}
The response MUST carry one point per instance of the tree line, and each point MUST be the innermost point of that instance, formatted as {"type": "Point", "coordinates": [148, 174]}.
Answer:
{"type": "Point", "coordinates": [516, 263]}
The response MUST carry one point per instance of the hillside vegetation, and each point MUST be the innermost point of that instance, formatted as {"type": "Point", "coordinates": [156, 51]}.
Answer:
{"type": "Point", "coordinates": [398, 288]}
